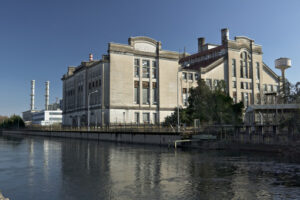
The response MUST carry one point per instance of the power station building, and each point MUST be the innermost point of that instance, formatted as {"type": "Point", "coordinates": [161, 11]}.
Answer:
{"type": "Point", "coordinates": [52, 114]}
{"type": "Point", "coordinates": [139, 82]}
{"type": "Point", "coordinates": [238, 63]}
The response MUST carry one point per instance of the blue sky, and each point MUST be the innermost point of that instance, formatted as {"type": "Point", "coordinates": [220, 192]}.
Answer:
{"type": "Point", "coordinates": [39, 39]}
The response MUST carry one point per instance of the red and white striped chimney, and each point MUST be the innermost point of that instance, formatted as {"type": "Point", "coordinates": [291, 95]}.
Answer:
{"type": "Point", "coordinates": [91, 57]}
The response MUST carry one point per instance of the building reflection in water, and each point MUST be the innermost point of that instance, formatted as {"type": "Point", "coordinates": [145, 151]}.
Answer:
{"type": "Point", "coordinates": [92, 170]}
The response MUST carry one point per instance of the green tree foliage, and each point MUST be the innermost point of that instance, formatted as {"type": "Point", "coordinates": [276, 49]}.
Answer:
{"type": "Point", "coordinates": [211, 106]}
{"type": "Point", "coordinates": [14, 121]}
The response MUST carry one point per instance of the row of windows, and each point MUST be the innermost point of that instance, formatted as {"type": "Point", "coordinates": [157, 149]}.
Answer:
{"type": "Point", "coordinates": [146, 118]}
{"type": "Point", "coordinates": [189, 76]}
{"type": "Point", "coordinates": [145, 92]}
{"type": "Point", "coordinates": [94, 84]}
{"type": "Point", "coordinates": [245, 69]}
{"type": "Point", "coordinates": [246, 98]}
{"type": "Point", "coordinates": [213, 84]}
{"type": "Point", "coordinates": [145, 68]}
{"type": "Point", "coordinates": [271, 88]}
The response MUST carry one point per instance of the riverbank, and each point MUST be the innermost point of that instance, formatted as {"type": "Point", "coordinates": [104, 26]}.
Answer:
{"type": "Point", "coordinates": [284, 144]}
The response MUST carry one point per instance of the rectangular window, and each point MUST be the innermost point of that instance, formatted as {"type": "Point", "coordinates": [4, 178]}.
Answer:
{"type": "Point", "coordinates": [145, 92]}
{"type": "Point", "coordinates": [136, 92]}
{"type": "Point", "coordinates": [190, 76]}
{"type": "Point", "coordinates": [242, 85]}
{"type": "Point", "coordinates": [234, 84]}
{"type": "Point", "coordinates": [241, 70]}
{"type": "Point", "coordinates": [184, 96]}
{"type": "Point", "coordinates": [136, 67]}
{"type": "Point", "coordinates": [146, 118]}
{"type": "Point", "coordinates": [257, 71]}
{"type": "Point", "coordinates": [258, 86]}
{"type": "Point", "coordinates": [216, 83]}
{"type": "Point", "coordinates": [196, 77]}
{"type": "Point", "coordinates": [154, 63]}
{"type": "Point", "coordinates": [154, 69]}
{"type": "Point", "coordinates": [155, 118]}
{"type": "Point", "coordinates": [137, 117]}
{"type": "Point", "coordinates": [146, 68]}
{"type": "Point", "coordinates": [154, 93]}
{"type": "Point", "coordinates": [234, 97]}
{"type": "Point", "coordinates": [258, 98]}
{"type": "Point", "coordinates": [269, 88]}
{"type": "Point", "coordinates": [246, 99]}
{"type": "Point", "coordinates": [209, 83]}
{"type": "Point", "coordinates": [233, 68]}
{"type": "Point", "coordinates": [265, 87]}
{"type": "Point", "coordinates": [184, 76]}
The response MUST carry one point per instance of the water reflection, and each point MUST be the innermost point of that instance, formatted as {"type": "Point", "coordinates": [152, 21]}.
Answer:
{"type": "Point", "coordinates": [76, 169]}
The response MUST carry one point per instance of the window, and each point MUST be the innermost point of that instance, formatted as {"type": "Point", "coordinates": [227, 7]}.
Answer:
{"type": "Point", "coordinates": [190, 76]}
{"type": "Point", "coordinates": [233, 68]}
{"type": "Point", "coordinates": [209, 83]}
{"type": "Point", "coordinates": [234, 84]}
{"type": "Point", "coordinates": [242, 85]}
{"type": "Point", "coordinates": [146, 68]}
{"type": "Point", "coordinates": [184, 75]}
{"type": "Point", "coordinates": [245, 98]}
{"type": "Point", "coordinates": [136, 92]}
{"type": "Point", "coordinates": [145, 92]}
{"type": "Point", "coordinates": [258, 98]}
{"type": "Point", "coordinates": [154, 93]}
{"type": "Point", "coordinates": [270, 88]}
{"type": "Point", "coordinates": [265, 87]}
{"type": "Point", "coordinates": [257, 71]}
{"type": "Point", "coordinates": [196, 77]}
{"type": "Point", "coordinates": [155, 118]}
{"type": "Point", "coordinates": [136, 67]}
{"type": "Point", "coordinates": [184, 97]}
{"type": "Point", "coordinates": [146, 117]}
{"type": "Point", "coordinates": [234, 97]}
{"type": "Point", "coordinates": [216, 83]}
{"type": "Point", "coordinates": [244, 67]}
{"type": "Point", "coordinates": [137, 117]}
{"type": "Point", "coordinates": [154, 69]}
{"type": "Point", "coordinates": [258, 86]}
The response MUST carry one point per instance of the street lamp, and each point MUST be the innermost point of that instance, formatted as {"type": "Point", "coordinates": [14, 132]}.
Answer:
{"type": "Point", "coordinates": [178, 120]}
{"type": "Point", "coordinates": [89, 108]}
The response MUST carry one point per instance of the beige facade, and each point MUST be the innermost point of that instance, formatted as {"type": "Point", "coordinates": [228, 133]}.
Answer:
{"type": "Point", "coordinates": [238, 63]}
{"type": "Point", "coordinates": [137, 83]}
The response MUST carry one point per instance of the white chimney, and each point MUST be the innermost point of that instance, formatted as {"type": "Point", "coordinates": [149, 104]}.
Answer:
{"type": "Point", "coordinates": [47, 95]}
{"type": "Point", "coordinates": [32, 94]}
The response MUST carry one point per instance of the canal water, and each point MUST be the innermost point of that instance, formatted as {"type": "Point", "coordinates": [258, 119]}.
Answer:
{"type": "Point", "coordinates": [48, 168]}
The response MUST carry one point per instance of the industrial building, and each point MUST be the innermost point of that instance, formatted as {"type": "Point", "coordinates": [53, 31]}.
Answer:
{"type": "Point", "coordinates": [238, 63]}
{"type": "Point", "coordinates": [52, 114]}
{"type": "Point", "coordinates": [139, 82]}
{"type": "Point", "coordinates": [133, 83]}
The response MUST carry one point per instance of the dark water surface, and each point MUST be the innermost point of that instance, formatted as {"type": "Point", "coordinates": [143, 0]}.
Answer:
{"type": "Point", "coordinates": [45, 168]}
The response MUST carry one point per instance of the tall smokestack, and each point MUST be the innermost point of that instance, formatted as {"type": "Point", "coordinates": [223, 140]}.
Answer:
{"type": "Point", "coordinates": [47, 95]}
{"type": "Point", "coordinates": [32, 94]}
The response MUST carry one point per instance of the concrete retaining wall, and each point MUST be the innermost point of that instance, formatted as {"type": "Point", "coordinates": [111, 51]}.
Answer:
{"type": "Point", "coordinates": [165, 139]}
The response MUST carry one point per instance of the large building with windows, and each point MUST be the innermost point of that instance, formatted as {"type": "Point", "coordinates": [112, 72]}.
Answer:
{"type": "Point", "coordinates": [133, 83]}
{"type": "Point", "coordinates": [139, 82]}
{"type": "Point", "coordinates": [238, 63]}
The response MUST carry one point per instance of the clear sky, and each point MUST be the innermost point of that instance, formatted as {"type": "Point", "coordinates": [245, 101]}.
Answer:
{"type": "Point", "coordinates": [39, 39]}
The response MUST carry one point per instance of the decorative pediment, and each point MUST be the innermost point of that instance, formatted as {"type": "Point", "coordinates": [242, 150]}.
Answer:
{"type": "Point", "coordinates": [145, 44]}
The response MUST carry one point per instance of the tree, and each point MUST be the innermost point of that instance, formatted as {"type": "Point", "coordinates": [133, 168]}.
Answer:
{"type": "Point", "coordinates": [212, 106]}
{"type": "Point", "coordinates": [14, 121]}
